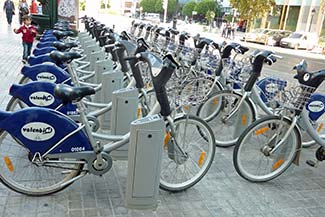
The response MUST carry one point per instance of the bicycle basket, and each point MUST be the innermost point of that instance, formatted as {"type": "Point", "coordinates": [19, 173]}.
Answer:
{"type": "Point", "coordinates": [192, 92]}
{"type": "Point", "coordinates": [187, 55]}
{"type": "Point", "coordinates": [270, 87]}
{"type": "Point", "coordinates": [209, 63]}
{"type": "Point", "coordinates": [238, 72]}
{"type": "Point", "coordinates": [293, 97]}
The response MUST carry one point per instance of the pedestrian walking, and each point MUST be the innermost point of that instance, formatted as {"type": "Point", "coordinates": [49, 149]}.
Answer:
{"type": "Point", "coordinates": [223, 29]}
{"type": "Point", "coordinates": [9, 8]}
{"type": "Point", "coordinates": [33, 7]}
{"type": "Point", "coordinates": [23, 10]}
{"type": "Point", "coordinates": [233, 27]}
{"type": "Point", "coordinates": [29, 32]}
{"type": "Point", "coordinates": [228, 30]}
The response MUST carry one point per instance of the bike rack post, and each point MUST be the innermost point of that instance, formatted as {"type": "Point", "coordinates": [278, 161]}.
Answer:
{"type": "Point", "coordinates": [102, 66]}
{"type": "Point", "coordinates": [87, 42]}
{"type": "Point", "coordinates": [93, 58]}
{"type": "Point", "coordinates": [144, 162]}
{"type": "Point", "coordinates": [89, 50]}
{"type": "Point", "coordinates": [124, 111]}
{"type": "Point", "coordinates": [111, 81]}
{"type": "Point", "coordinates": [82, 37]}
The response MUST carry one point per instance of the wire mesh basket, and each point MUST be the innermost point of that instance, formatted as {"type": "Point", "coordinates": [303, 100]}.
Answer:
{"type": "Point", "coordinates": [293, 97]}
{"type": "Point", "coordinates": [187, 55]}
{"type": "Point", "coordinates": [192, 92]}
{"type": "Point", "coordinates": [237, 71]}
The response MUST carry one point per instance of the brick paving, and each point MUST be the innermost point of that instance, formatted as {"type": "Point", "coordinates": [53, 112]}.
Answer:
{"type": "Point", "coordinates": [299, 192]}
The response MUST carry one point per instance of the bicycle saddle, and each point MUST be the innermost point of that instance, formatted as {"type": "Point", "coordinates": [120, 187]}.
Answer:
{"type": "Point", "coordinates": [61, 46]}
{"type": "Point", "coordinates": [68, 93]}
{"type": "Point", "coordinates": [62, 57]}
{"type": "Point", "coordinates": [149, 27]}
{"type": "Point", "coordinates": [142, 25]}
{"type": "Point", "coordinates": [173, 31]}
{"type": "Point", "coordinates": [62, 34]}
{"type": "Point", "coordinates": [233, 46]}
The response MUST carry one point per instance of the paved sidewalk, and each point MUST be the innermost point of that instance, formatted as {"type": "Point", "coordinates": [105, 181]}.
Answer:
{"type": "Point", "coordinates": [299, 192]}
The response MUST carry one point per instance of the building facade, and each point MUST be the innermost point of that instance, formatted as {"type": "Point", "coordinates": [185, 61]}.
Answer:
{"type": "Point", "coordinates": [125, 7]}
{"type": "Point", "coordinates": [296, 15]}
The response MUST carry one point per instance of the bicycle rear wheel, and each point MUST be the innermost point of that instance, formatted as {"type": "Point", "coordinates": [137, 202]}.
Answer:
{"type": "Point", "coordinates": [15, 104]}
{"type": "Point", "coordinates": [252, 157]}
{"type": "Point", "coordinates": [187, 155]}
{"type": "Point", "coordinates": [19, 173]}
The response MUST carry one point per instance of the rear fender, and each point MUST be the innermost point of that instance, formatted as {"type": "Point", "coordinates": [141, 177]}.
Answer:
{"type": "Point", "coordinates": [40, 94]}
{"type": "Point", "coordinates": [39, 129]}
{"type": "Point", "coordinates": [46, 72]}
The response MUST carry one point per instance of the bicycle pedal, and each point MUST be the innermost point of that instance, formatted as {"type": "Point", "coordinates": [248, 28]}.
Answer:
{"type": "Point", "coordinates": [312, 163]}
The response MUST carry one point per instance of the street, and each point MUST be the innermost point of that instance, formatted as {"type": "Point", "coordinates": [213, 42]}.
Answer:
{"type": "Point", "coordinates": [282, 68]}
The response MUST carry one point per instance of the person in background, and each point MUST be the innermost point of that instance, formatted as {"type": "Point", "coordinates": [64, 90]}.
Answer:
{"type": "Point", "coordinates": [29, 32]}
{"type": "Point", "coordinates": [39, 9]}
{"type": "Point", "coordinates": [23, 10]}
{"type": "Point", "coordinates": [33, 7]}
{"type": "Point", "coordinates": [9, 8]}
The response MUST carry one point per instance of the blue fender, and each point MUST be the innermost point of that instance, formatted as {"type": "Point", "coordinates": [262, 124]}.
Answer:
{"type": "Point", "coordinates": [46, 72]}
{"type": "Point", "coordinates": [41, 94]}
{"type": "Point", "coordinates": [39, 129]}
{"type": "Point", "coordinates": [45, 50]}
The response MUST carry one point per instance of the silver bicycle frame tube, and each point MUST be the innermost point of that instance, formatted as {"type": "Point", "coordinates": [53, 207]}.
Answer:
{"type": "Point", "coordinates": [257, 100]}
{"type": "Point", "coordinates": [286, 135]}
{"type": "Point", "coordinates": [244, 96]}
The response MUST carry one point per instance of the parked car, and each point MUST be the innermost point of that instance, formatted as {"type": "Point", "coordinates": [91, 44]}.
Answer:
{"type": "Point", "coordinates": [254, 35]}
{"type": "Point", "coordinates": [300, 40]}
{"type": "Point", "coordinates": [152, 17]}
{"type": "Point", "coordinates": [273, 37]}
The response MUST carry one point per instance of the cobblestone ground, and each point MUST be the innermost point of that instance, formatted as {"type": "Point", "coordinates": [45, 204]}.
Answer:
{"type": "Point", "coordinates": [299, 192]}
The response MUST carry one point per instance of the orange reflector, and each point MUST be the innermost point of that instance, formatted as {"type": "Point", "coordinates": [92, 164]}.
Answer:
{"type": "Point", "coordinates": [186, 107]}
{"type": "Point", "coordinates": [139, 112]}
{"type": "Point", "coordinates": [262, 130]}
{"type": "Point", "coordinates": [9, 164]}
{"type": "Point", "coordinates": [215, 101]}
{"type": "Point", "coordinates": [243, 119]}
{"type": "Point", "coordinates": [320, 127]}
{"type": "Point", "coordinates": [201, 159]}
{"type": "Point", "coordinates": [277, 164]}
{"type": "Point", "coordinates": [167, 138]}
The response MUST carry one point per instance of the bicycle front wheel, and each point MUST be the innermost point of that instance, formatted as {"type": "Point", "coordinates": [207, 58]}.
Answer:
{"type": "Point", "coordinates": [217, 111]}
{"type": "Point", "coordinates": [19, 173]}
{"type": "Point", "coordinates": [257, 156]}
{"type": "Point", "coordinates": [187, 155]}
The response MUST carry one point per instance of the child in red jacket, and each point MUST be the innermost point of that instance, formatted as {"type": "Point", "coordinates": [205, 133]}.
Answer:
{"type": "Point", "coordinates": [29, 32]}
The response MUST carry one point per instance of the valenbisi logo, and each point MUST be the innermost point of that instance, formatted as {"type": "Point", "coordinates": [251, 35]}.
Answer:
{"type": "Point", "coordinates": [316, 106]}
{"type": "Point", "coordinates": [37, 131]}
{"type": "Point", "coordinates": [41, 98]}
{"type": "Point", "coordinates": [46, 76]}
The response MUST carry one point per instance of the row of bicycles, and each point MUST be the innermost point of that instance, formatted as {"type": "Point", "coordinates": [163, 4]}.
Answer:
{"type": "Point", "coordinates": [269, 120]}
{"type": "Point", "coordinates": [209, 94]}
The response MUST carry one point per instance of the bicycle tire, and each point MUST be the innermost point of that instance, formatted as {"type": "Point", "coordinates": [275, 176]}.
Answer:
{"type": "Point", "coordinates": [24, 80]}
{"type": "Point", "coordinates": [276, 163]}
{"type": "Point", "coordinates": [15, 104]}
{"type": "Point", "coordinates": [16, 167]}
{"type": "Point", "coordinates": [201, 157]}
{"type": "Point", "coordinates": [235, 125]}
